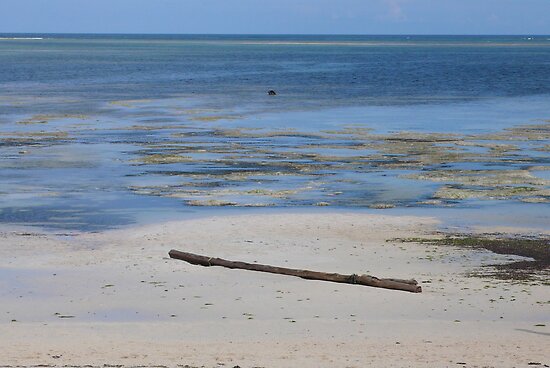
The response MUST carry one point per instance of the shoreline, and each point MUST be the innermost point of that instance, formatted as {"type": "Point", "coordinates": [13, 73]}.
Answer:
{"type": "Point", "coordinates": [500, 217]}
{"type": "Point", "coordinates": [115, 298]}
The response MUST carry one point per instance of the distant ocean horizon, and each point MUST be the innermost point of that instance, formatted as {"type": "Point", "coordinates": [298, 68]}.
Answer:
{"type": "Point", "coordinates": [277, 34]}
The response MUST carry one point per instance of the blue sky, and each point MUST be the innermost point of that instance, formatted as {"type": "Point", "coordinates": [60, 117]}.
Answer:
{"type": "Point", "coordinates": [277, 16]}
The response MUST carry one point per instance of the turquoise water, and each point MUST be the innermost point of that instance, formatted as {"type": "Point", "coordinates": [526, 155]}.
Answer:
{"type": "Point", "coordinates": [84, 118]}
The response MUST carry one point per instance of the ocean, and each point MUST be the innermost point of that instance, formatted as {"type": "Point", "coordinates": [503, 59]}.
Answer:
{"type": "Point", "coordinates": [102, 131]}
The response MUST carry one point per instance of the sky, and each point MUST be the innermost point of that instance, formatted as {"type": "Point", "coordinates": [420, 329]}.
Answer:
{"type": "Point", "coordinates": [276, 16]}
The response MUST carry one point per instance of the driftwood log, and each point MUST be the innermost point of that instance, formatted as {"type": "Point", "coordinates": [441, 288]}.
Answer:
{"type": "Point", "coordinates": [366, 280]}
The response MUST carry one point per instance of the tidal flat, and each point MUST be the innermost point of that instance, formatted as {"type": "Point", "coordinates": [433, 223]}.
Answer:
{"type": "Point", "coordinates": [181, 156]}
{"type": "Point", "coordinates": [468, 166]}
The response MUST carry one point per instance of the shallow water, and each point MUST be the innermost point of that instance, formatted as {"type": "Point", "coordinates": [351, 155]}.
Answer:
{"type": "Point", "coordinates": [104, 131]}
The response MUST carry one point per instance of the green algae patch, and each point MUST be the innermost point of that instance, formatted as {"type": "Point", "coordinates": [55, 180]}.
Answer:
{"type": "Point", "coordinates": [45, 118]}
{"type": "Point", "coordinates": [382, 206]}
{"type": "Point", "coordinates": [431, 202]}
{"type": "Point", "coordinates": [532, 132]}
{"type": "Point", "coordinates": [492, 146]}
{"type": "Point", "coordinates": [55, 134]}
{"type": "Point", "coordinates": [414, 137]}
{"type": "Point", "coordinates": [488, 178]}
{"type": "Point", "coordinates": [287, 158]}
{"type": "Point", "coordinates": [506, 192]}
{"type": "Point", "coordinates": [34, 139]}
{"type": "Point", "coordinates": [538, 249]}
{"type": "Point", "coordinates": [535, 199]}
{"type": "Point", "coordinates": [271, 193]}
{"type": "Point", "coordinates": [159, 159]}
{"type": "Point", "coordinates": [539, 168]}
{"type": "Point", "coordinates": [211, 203]}
{"type": "Point", "coordinates": [49, 163]}
{"type": "Point", "coordinates": [487, 184]}
{"type": "Point", "coordinates": [214, 194]}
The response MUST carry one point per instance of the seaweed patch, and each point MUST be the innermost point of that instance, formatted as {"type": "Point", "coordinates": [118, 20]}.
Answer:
{"type": "Point", "coordinates": [342, 160]}
{"type": "Point", "coordinates": [536, 249]}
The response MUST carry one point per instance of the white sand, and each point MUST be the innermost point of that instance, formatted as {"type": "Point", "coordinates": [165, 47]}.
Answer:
{"type": "Point", "coordinates": [128, 304]}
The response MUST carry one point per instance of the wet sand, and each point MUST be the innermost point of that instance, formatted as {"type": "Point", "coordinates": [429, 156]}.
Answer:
{"type": "Point", "coordinates": [114, 298]}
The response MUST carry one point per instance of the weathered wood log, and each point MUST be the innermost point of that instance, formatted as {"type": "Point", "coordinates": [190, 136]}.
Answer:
{"type": "Point", "coordinates": [366, 280]}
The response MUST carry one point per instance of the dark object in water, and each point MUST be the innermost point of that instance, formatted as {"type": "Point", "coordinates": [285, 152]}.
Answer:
{"type": "Point", "coordinates": [366, 280]}
{"type": "Point", "coordinates": [272, 92]}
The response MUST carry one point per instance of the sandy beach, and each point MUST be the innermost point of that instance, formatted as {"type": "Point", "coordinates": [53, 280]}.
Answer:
{"type": "Point", "coordinates": [114, 298]}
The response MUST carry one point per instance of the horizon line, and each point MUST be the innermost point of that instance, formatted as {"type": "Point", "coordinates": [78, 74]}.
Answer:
{"type": "Point", "coordinates": [278, 34]}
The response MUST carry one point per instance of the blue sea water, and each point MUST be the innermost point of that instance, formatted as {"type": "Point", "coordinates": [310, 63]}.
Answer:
{"type": "Point", "coordinates": [310, 71]}
{"type": "Point", "coordinates": [95, 88]}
